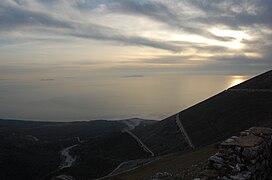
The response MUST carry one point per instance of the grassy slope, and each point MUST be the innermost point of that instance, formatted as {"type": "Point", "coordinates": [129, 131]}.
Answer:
{"type": "Point", "coordinates": [30, 159]}
{"type": "Point", "coordinates": [162, 137]}
{"type": "Point", "coordinates": [226, 114]}
{"type": "Point", "coordinates": [98, 157]}
{"type": "Point", "coordinates": [174, 164]}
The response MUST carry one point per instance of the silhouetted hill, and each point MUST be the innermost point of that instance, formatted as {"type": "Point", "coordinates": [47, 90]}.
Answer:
{"type": "Point", "coordinates": [32, 149]}
{"type": "Point", "coordinates": [214, 119]}
{"type": "Point", "coordinates": [263, 81]}
{"type": "Point", "coordinates": [52, 131]}
{"type": "Point", "coordinates": [226, 114]}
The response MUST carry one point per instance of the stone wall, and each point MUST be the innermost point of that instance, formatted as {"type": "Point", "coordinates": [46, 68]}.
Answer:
{"type": "Point", "coordinates": [245, 157]}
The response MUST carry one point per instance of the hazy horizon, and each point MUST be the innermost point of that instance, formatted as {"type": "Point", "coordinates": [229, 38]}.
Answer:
{"type": "Point", "coordinates": [91, 95]}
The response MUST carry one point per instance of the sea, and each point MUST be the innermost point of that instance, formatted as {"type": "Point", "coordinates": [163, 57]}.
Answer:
{"type": "Point", "coordinates": [91, 95]}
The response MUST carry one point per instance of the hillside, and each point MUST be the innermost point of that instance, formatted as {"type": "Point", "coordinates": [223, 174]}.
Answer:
{"type": "Point", "coordinates": [186, 164]}
{"type": "Point", "coordinates": [214, 119]}
{"type": "Point", "coordinates": [162, 137]}
{"type": "Point", "coordinates": [34, 148]}
{"type": "Point", "coordinates": [56, 131]}
{"type": "Point", "coordinates": [100, 156]}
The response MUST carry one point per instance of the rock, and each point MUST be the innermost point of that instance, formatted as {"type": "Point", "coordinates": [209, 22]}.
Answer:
{"type": "Point", "coordinates": [238, 159]}
{"type": "Point", "coordinates": [235, 168]}
{"type": "Point", "coordinates": [224, 178]}
{"type": "Point", "coordinates": [238, 167]}
{"type": "Point", "coordinates": [244, 133]}
{"type": "Point", "coordinates": [241, 176]}
{"type": "Point", "coordinates": [224, 152]}
{"type": "Point", "coordinates": [253, 161]}
{"type": "Point", "coordinates": [250, 153]}
{"type": "Point", "coordinates": [63, 177]}
{"type": "Point", "coordinates": [217, 166]}
{"type": "Point", "coordinates": [242, 166]}
{"type": "Point", "coordinates": [237, 149]}
{"type": "Point", "coordinates": [242, 158]}
{"type": "Point", "coordinates": [244, 141]}
{"type": "Point", "coordinates": [230, 140]}
{"type": "Point", "coordinates": [234, 137]}
{"type": "Point", "coordinates": [216, 159]}
{"type": "Point", "coordinates": [246, 174]}
{"type": "Point", "coordinates": [219, 154]}
{"type": "Point", "coordinates": [251, 168]}
{"type": "Point", "coordinates": [160, 175]}
{"type": "Point", "coordinates": [233, 158]}
{"type": "Point", "coordinates": [260, 131]}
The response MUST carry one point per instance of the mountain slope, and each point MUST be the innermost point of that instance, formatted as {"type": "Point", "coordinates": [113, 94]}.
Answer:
{"type": "Point", "coordinates": [162, 137]}
{"type": "Point", "coordinates": [214, 119]}
{"type": "Point", "coordinates": [226, 114]}
{"type": "Point", "coordinates": [33, 148]}
{"type": "Point", "coordinates": [55, 131]}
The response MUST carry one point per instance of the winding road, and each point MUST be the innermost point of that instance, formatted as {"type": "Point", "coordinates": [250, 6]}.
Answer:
{"type": "Point", "coordinates": [140, 142]}
{"type": "Point", "coordinates": [182, 130]}
{"type": "Point", "coordinates": [68, 159]}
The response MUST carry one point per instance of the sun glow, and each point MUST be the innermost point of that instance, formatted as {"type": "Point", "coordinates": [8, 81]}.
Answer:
{"type": "Point", "coordinates": [232, 44]}
{"type": "Point", "coordinates": [236, 80]}
{"type": "Point", "coordinates": [235, 37]}
{"type": "Point", "coordinates": [238, 35]}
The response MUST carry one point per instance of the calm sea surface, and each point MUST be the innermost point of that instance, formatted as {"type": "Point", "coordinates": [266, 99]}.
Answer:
{"type": "Point", "coordinates": [89, 96]}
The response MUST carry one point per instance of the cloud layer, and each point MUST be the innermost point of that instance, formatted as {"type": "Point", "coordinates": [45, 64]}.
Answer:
{"type": "Point", "coordinates": [189, 34]}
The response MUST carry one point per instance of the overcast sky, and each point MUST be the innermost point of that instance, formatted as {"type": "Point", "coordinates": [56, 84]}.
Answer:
{"type": "Point", "coordinates": [216, 36]}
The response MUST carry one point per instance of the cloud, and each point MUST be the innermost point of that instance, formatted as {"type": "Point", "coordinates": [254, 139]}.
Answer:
{"type": "Point", "coordinates": [155, 10]}
{"type": "Point", "coordinates": [238, 64]}
{"type": "Point", "coordinates": [19, 18]}
{"type": "Point", "coordinates": [98, 32]}
{"type": "Point", "coordinates": [14, 16]}
{"type": "Point", "coordinates": [181, 27]}
{"type": "Point", "coordinates": [196, 16]}
{"type": "Point", "coordinates": [161, 11]}
{"type": "Point", "coordinates": [234, 13]}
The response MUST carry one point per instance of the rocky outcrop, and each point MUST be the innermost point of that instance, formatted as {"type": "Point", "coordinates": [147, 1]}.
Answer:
{"type": "Point", "coordinates": [244, 157]}
{"type": "Point", "coordinates": [63, 177]}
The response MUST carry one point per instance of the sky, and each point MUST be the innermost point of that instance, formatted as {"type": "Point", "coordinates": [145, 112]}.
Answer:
{"type": "Point", "coordinates": [219, 36]}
